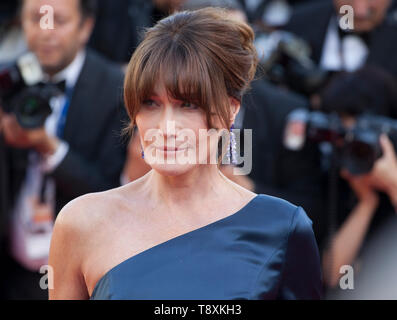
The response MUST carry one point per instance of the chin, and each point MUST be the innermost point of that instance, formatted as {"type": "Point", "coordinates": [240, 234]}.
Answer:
{"type": "Point", "coordinates": [173, 170]}
{"type": "Point", "coordinates": [50, 67]}
{"type": "Point", "coordinates": [172, 164]}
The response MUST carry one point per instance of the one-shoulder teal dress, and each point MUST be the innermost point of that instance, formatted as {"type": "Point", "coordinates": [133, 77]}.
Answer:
{"type": "Point", "coordinates": [266, 250]}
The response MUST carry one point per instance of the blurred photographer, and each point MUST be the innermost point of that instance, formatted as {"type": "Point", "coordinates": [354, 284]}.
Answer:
{"type": "Point", "coordinates": [366, 103]}
{"type": "Point", "coordinates": [371, 41]}
{"type": "Point", "coordinates": [62, 117]}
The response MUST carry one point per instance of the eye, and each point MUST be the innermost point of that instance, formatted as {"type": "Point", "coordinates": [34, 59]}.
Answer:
{"type": "Point", "coordinates": [35, 18]}
{"type": "Point", "coordinates": [149, 103]}
{"type": "Point", "coordinates": [188, 105]}
{"type": "Point", "coordinates": [60, 20]}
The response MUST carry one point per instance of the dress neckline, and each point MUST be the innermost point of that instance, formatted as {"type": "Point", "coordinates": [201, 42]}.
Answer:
{"type": "Point", "coordinates": [186, 234]}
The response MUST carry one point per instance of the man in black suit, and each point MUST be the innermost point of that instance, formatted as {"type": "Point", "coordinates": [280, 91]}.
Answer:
{"type": "Point", "coordinates": [78, 151]}
{"type": "Point", "coordinates": [372, 41]}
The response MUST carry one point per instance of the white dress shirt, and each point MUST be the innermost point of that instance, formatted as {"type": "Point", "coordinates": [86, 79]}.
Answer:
{"type": "Point", "coordinates": [348, 54]}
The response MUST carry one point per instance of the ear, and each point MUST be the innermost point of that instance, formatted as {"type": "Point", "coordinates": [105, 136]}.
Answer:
{"type": "Point", "coordinates": [86, 29]}
{"type": "Point", "coordinates": [235, 107]}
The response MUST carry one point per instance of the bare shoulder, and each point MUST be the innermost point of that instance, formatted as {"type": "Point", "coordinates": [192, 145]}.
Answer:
{"type": "Point", "coordinates": [83, 235]}
{"type": "Point", "coordinates": [87, 211]}
{"type": "Point", "coordinates": [95, 211]}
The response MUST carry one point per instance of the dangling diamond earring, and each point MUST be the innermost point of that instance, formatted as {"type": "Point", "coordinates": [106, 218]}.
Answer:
{"type": "Point", "coordinates": [142, 153]}
{"type": "Point", "coordinates": [231, 155]}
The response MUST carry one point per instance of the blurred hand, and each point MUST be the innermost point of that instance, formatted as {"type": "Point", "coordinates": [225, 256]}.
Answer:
{"type": "Point", "coordinates": [384, 174]}
{"type": "Point", "coordinates": [18, 137]}
{"type": "Point", "coordinates": [362, 187]}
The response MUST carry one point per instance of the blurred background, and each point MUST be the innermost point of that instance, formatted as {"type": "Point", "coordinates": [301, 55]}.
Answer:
{"type": "Point", "coordinates": [323, 110]}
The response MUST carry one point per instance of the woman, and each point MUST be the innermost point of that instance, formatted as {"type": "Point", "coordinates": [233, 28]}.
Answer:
{"type": "Point", "coordinates": [183, 230]}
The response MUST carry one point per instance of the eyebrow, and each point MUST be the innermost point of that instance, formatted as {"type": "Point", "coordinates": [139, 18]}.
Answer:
{"type": "Point", "coordinates": [157, 97]}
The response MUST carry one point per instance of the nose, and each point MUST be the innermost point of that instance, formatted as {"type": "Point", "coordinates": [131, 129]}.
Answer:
{"type": "Point", "coordinates": [167, 122]}
{"type": "Point", "coordinates": [46, 35]}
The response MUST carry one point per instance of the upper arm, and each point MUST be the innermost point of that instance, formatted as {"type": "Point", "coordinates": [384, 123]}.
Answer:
{"type": "Point", "coordinates": [301, 275]}
{"type": "Point", "coordinates": [66, 255]}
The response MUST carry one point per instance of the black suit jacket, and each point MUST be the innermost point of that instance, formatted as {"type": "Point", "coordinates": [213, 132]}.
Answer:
{"type": "Point", "coordinates": [93, 131]}
{"type": "Point", "coordinates": [310, 22]}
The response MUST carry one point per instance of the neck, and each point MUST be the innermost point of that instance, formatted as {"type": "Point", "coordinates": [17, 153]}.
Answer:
{"type": "Point", "coordinates": [52, 71]}
{"type": "Point", "coordinates": [199, 183]}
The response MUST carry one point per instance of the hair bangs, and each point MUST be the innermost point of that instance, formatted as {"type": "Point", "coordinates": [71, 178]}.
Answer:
{"type": "Point", "coordinates": [181, 70]}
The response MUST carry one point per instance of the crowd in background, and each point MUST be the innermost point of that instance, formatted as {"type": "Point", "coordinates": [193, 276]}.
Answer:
{"type": "Point", "coordinates": [315, 79]}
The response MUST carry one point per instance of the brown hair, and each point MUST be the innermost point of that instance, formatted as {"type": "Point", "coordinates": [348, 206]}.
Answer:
{"type": "Point", "coordinates": [202, 56]}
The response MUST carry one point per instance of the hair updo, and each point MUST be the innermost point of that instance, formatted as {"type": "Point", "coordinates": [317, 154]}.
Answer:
{"type": "Point", "coordinates": [202, 56]}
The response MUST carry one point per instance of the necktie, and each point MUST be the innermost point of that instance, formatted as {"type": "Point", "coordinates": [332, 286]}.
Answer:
{"type": "Point", "coordinates": [60, 86]}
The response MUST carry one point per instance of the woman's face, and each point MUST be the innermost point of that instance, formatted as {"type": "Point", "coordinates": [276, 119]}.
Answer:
{"type": "Point", "coordinates": [174, 134]}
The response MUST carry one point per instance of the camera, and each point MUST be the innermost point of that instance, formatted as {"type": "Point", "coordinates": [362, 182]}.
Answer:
{"type": "Point", "coordinates": [285, 60]}
{"type": "Point", "coordinates": [357, 148]}
{"type": "Point", "coordinates": [23, 93]}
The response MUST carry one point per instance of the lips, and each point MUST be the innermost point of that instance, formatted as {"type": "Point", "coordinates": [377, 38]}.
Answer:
{"type": "Point", "coordinates": [170, 149]}
{"type": "Point", "coordinates": [46, 51]}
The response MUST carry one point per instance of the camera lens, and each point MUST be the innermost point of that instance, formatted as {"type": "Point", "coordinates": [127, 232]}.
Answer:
{"type": "Point", "coordinates": [360, 150]}
{"type": "Point", "coordinates": [32, 108]}
{"type": "Point", "coordinates": [359, 156]}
